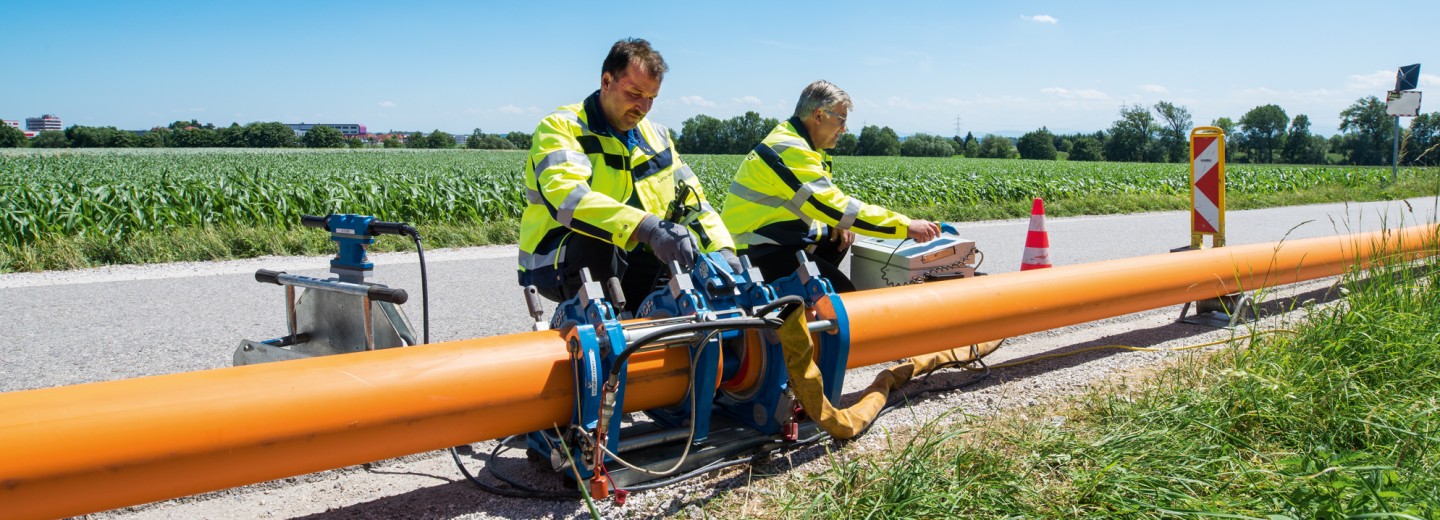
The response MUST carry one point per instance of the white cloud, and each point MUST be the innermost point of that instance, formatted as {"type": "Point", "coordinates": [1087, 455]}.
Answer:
{"type": "Point", "coordinates": [696, 101]}
{"type": "Point", "coordinates": [899, 102]}
{"type": "Point", "coordinates": [1378, 80]}
{"type": "Point", "coordinates": [1065, 93]}
{"type": "Point", "coordinates": [984, 101]}
{"type": "Point", "coordinates": [1040, 18]}
{"type": "Point", "coordinates": [387, 104]}
{"type": "Point", "coordinates": [512, 109]}
{"type": "Point", "coordinates": [1384, 80]}
{"type": "Point", "coordinates": [1153, 88]}
{"type": "Point", "coordinates": [749, 100]}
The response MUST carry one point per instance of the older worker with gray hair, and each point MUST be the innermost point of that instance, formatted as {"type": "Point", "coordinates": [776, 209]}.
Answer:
{"type": "Point", "coordinates": [783, 198]}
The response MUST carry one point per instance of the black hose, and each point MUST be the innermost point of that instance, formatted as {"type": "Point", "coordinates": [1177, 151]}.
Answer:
{"type": "Point", "coordinates": [519, 490]}
{"type": "Point", "coordinates": [424, 280]}
{"type": "Point", "coordinates": [790, 300]}
{"type": "Point", "coordinates": [734, 323]}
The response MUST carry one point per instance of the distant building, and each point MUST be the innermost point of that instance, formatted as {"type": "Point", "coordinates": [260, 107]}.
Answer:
{"type": "Point", "coordinates": [12, 123]}
{"type": "Point", "coordinates": [43, 123]}
{"type": "Point", "coordinates": [346, 129]}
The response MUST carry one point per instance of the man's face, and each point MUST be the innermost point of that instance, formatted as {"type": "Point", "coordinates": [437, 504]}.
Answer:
{"type": "Point", "coordinates": [829, 124]}
{"type": "Point", "coordinates": [627, 98]}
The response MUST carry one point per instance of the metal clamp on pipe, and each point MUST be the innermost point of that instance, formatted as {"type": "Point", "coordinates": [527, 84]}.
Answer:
{"type": "Point", "coordinates": [737, 397]}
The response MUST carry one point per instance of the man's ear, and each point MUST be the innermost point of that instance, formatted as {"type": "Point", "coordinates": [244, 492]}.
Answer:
{"type": "Point", "coordinates": [606, 80]}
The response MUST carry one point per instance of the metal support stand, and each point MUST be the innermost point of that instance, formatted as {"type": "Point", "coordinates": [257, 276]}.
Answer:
{"type": "Point", "coordinates": [1224, 312]}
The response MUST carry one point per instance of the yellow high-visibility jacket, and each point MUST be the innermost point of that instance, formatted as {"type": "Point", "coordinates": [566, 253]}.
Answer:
{"type": "Point", "coordinates": [580, 178]}
{"type": "Point", "coordinates": [783, 193]}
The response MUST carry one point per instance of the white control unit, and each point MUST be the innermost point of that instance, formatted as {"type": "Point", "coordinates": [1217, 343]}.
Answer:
{"type": "Point", "coordinates": [881, 262]}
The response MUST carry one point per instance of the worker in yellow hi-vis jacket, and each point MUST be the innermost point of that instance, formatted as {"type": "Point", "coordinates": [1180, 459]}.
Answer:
{"type": "Point", "coordinates": [607, 191]}
{"type": "Point", "coordinates": [783, 199]}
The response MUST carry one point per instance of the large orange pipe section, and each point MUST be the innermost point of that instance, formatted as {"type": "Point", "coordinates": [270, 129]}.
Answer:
{"type": "Point", "coordinates": [900, 322]}
{"type": "Point", "coordinates": [85, 448]}
{"type": "Point", "coordinates": [78, 449]}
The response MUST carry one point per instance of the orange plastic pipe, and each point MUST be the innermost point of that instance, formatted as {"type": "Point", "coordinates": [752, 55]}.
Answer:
{"type": "Point", "coordinates": [79, 449]}
{"type": "Point", "coordinates": [900, 322]}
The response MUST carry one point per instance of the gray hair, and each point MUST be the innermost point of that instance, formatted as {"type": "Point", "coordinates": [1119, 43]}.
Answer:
{"type": "Point", "coordinates": [821, 94]}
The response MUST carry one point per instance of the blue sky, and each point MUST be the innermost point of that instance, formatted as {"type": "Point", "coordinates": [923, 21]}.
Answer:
{"type": "Point", "coordinates": [1000, 67]}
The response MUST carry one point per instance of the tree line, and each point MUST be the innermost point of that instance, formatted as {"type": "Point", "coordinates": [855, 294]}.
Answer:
{"type": "Point", "coordinates": [1158, 133]}
{"type": "Point", "coordinates": [1265, 134]}
{"type": "Point", "coordinates": [193, 134]}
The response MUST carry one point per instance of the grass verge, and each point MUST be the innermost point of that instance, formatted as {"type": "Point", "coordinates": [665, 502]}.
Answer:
{"type": "Point", "coordinates": [1339, 421]}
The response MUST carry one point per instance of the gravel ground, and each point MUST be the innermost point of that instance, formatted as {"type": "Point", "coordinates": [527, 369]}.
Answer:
{"type": "Point", "coordinates": [428, 485]}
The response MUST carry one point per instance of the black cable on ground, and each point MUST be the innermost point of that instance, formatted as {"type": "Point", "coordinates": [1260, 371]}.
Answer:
{"type": "Point", "coordinates": [518, 490]}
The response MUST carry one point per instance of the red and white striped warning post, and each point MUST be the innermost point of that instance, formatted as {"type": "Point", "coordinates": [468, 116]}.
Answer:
{"type": "Point", "coordinates": [1037, 241]}
{"type": "Point", "coordinates": [1207, 191]}
{"type": "Point", "coordinates": [1207, 217]}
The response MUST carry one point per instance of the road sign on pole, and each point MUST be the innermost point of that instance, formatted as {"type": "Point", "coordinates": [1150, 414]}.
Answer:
{"type": "Point", "coordinates": [1207, 189]}
{"type": "Point", "coordinates": [1408, 77]}
{"type": "Point", "coordinates": [1404, 101]}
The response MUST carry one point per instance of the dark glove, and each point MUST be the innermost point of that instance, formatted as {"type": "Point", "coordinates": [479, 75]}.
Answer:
{"type": "Point", "coordinates": [734, 261]}
{"type": "Point", "coordinates": [669, 240]}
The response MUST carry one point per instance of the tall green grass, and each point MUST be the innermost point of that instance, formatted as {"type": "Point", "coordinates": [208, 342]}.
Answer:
{"type": "Point", "coordinates": [1339, 421]}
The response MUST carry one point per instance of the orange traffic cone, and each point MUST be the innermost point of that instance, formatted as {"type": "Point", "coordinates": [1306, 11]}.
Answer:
{"type": "Point", "coordinates": [1037, 241]}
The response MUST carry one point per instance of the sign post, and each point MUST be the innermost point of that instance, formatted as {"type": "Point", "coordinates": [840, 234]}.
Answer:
{"type": "Point", "coordinates": [1207, 186]}
{"type": "Point", "coordinates": [1404, 101]}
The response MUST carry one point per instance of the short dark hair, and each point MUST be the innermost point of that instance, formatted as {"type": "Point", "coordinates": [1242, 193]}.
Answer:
{"type": "Point", "coordinates": [634, 50]}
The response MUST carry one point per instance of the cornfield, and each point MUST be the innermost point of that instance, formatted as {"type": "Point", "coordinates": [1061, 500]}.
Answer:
{"type": "Point", "coordinates": [118, 192]}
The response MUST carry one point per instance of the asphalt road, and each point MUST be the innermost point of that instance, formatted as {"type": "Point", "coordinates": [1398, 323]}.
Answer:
{"type": "Point", "coordinates": [72, 327]}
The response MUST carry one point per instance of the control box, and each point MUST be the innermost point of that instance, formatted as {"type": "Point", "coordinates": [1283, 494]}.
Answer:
{"type": "Point", "coordinates": [882, 262]}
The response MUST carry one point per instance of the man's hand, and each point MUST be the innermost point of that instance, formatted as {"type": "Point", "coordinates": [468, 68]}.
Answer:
{"type": "Point", "coordinates": [670, 241]}
{"type": "Point", "coordinates": [922, 231]}
{"type": "Point", "coordinates": [844, 236]}
{"type": "Point", "coordinates": [730, 258]}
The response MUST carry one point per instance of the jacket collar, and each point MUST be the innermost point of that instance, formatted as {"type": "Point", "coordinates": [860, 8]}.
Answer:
{"type": "Point", "coordinates": [599, 124]}
{"type": "Point", "coordinates": [800, 129]}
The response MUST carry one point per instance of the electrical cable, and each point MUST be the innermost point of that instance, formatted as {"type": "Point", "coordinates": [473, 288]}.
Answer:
{"type": "Point", "coordinates": [523, 491]}
{"type": "Point", "coordinates": [883, 267]}
{"type": "Point", "coordinates": [1139, 349]}
{"type": "Point", "coordinates": [985, 369]}
{"type": "Point", "coordinates": [712, 328]}
{"type": "Point", "coordinates": [732, 323]}
{"type": "Point", "coordinates": [424, 280]}
{"type": "Point", "coordinates": [690, 440]}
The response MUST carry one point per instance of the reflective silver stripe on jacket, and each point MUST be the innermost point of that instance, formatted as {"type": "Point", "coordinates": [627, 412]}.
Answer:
{"type": "Point", "coordinates": [559, 157]}
{"type": "Point", "coordinates": [744, 192]}
{"type": "Point", "coordinates": [781, 146]}
{"type": "Point", "coordinates": [806, 190]}
{"type": "Point", "coordinates": [573, 118]}
{"type": "Point", "coordinates": [754, 239]}
{"type": "Point", "coordinates": [533, 196]}
{"type": "Point", "coordinates": [533, 261]}
{"type": "Point", "coordinates": [566, 212]}
{"type": "Point", "coordinates": [683, 173]}
{"type": "Point", "coordinates": [852, 210]}
{"type": "Point", "coordinates": [664, 134]}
